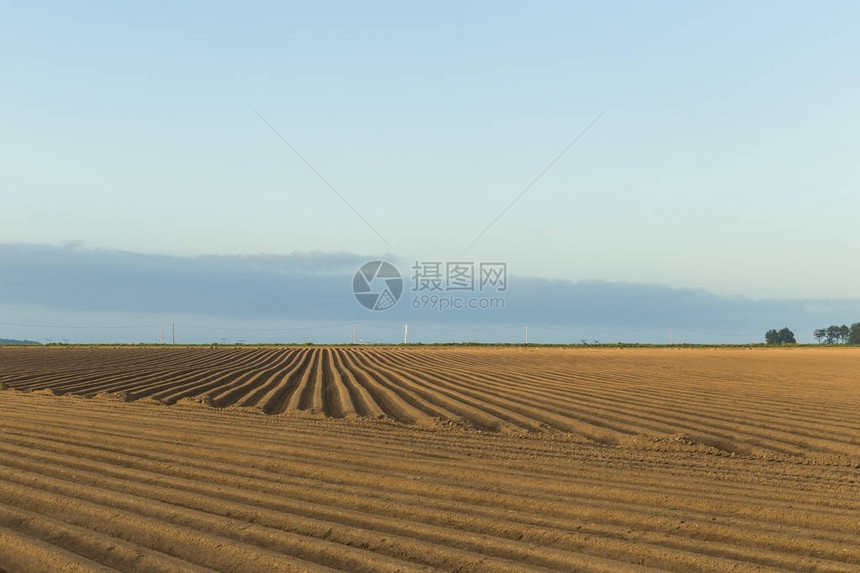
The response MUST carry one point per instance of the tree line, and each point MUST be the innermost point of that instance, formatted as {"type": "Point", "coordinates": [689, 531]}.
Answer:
{"type": "Point", "coordinates": [833, 334]}
{"type": "Point", "coordinates": [782, 336]}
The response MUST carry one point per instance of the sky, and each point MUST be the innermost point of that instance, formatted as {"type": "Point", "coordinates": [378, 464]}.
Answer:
{"type": "Point", "coordinates": [80, 294]}
{"type": "Point", "coordinates": [713, 145]}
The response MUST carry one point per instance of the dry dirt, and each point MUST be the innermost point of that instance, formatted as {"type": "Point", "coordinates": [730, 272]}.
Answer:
{"type": "Point", "coordinates": [442, 458]}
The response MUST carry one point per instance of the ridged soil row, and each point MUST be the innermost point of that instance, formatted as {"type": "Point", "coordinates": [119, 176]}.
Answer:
{"type": "Point", "coordinates": [445, 406]}
{"type": "Point", "coordinates": [742, 402]}
{"type": "Point", "coordinates": [336, 396]}
{"type": "Point", "coordinates": [105, 366]}
{"type": "Point", "coordinates": [362, 401]}
{"type": "Point", "coordinates": [506, 396]}
{"type": "Point", "coordinates": [205, 427]}
{"type": "Point", "coordinates": [603, 416]}
{"type": "Point", "coordinates": [215, 380]}
{"type": "Point", "coordinates": [598, 490]}
{"type": "Point", "coordinates": [600, 494]}
{"type": "Point", "coordinates": [252, 380]}
{"type": "Point", "coordinates": [335, 533]}
{"type": "Point", "coordinates": [304, 392]}
{"type": "Point", "coordinates": [408, 394]}
{"type": "Point", "coordinates": [197, 542]}
{"type": "Point", "coordinates": [273, 396]}
{"type": "Point", "coordinates": [206, 431]}
{"type": "Point", "coordinates": [699, 409]}
{"type": "Point", "coordinates": [458, 509]}
{"type": "Point", "coordinates": [21, 551]}
{"type": "Point", "coordinates": [624, 407]}
{"type": "Point", "coordinates": [534, 409]}
{"type": "Point", "coordinates": [387, 396]}
{"type": "Point", "coordinates": [52, 365]}
{"type": "Point", "coordinates": [263, 381]}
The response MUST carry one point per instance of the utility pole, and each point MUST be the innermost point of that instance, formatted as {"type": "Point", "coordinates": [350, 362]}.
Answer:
{"type": "Point", "coordinates": [405, 333]}
{"type": "Point", "coordinates": [162, 336]}
{"type": "Point", "coordinates": [670, 336]}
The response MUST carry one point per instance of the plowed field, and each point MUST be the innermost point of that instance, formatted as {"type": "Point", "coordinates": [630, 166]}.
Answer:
{"type": "Point", "coordinates": [410, 458]}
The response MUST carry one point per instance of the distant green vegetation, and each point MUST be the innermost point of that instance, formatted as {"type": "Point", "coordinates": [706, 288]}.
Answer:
{"type": "Point", "coordinates": [782, 336]}
{"type": "Point", "coordinates": [619, 345]}
{"type": "Point", "coordinates": [834, 334]}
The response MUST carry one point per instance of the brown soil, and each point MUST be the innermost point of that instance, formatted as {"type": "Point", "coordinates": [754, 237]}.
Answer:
{"type": "Point", "coordinates": [456, 459]}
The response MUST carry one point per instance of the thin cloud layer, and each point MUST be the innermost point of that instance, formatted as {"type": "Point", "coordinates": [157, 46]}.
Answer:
{"type": "Point", "coordinates": [318, 287]}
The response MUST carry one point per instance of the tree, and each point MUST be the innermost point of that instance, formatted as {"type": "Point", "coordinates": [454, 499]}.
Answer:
{"type": "Point", "coordinates": [786, 336]}
{"type": "Point", "coordinates": [854, 334]}
{"type": "Point", "coordinates": [782, 336]}
{"type": "Point", "coordinates": [835, 334]}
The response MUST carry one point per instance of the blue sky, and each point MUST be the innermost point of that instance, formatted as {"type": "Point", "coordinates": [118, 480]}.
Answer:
{"type": "Point", "coordinates": [725, 160]}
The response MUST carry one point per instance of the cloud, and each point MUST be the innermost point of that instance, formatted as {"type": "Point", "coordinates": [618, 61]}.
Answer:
{"type": "Point", "coordinates": [242, 286]}
{"type": "Point", "coordinates": [317, 286]}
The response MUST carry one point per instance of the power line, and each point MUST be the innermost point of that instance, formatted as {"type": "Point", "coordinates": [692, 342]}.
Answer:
{"type": "Point", "coordinates": [382, 328]}
{"type": "Point", "coordinates": [716, 333]}
{"type": "Point", "coordinates": [283, 329]}
{"type": "Point", "coordinates": [80, 326]}
{"type": "Point", "coordinates": [589, 330]}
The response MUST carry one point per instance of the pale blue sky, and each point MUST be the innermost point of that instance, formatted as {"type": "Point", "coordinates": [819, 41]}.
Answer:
{"type": "Point", "coordinates": [727, 157]}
